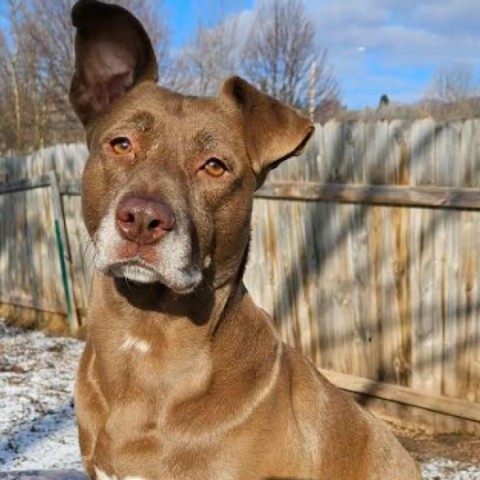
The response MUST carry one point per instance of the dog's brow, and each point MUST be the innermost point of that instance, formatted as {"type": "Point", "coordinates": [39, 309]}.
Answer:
{"type": "Point", "coordinates": [204, 140]}
{"type": "Point", "coordinates": [140, 121]}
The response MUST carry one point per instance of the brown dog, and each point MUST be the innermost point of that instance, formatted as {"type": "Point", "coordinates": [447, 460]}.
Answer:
{"type": "Point", "coordinates": [183, 377]}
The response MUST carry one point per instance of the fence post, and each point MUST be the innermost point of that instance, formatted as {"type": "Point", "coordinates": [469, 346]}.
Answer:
{"type": "Point", "coordinates": [63, 252]}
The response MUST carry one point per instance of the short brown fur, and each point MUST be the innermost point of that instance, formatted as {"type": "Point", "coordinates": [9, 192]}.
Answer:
{"type": "Point", "coordinates": [185, 377]}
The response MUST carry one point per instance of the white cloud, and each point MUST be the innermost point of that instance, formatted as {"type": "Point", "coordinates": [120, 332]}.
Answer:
{"type": "Point", "coordinates": [394, 34]}
{"type": "Point", "coordinates": [426, 30]}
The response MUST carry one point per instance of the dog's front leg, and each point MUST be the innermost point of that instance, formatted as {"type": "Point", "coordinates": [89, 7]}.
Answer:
{"type": "Point", "coordinates": [90, 408]}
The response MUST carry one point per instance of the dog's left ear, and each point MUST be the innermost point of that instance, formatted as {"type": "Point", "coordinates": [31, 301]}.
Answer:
{"type": "Point", "coordinates": [273, 131]}
{"type": "Point", "coordinates": [113, 53]}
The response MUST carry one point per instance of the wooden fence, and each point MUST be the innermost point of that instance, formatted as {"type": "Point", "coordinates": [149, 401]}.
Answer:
{"type": "Point", "coordinates": [41, 268]}
{"type": "Point", "coordinates": [366, 250]}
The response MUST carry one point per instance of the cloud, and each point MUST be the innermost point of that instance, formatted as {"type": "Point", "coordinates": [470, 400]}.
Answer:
{"type": "Point", "coordinates": [427, 32]}
{"type": "Point", "coordinates": [373, 41]}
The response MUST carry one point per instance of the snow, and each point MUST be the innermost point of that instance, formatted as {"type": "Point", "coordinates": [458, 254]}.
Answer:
{"type": "Point", "coordinates": [444, 468]}
{"type": "Point", "coordinates": [37, 422]}
{"type": "Point", "coordinates": [37, 425]}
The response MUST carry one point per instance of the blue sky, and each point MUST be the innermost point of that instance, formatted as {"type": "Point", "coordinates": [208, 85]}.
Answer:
{"type": "Point", "coordinates": [375, 46]}
{"type": "Point", "coordinates": [3, 13]}
{"type": "Point", "coordinates": [184, 16]}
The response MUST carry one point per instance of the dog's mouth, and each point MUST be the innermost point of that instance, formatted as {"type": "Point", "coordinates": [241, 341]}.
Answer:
{"type": "Point", "coordinates": [171, 260]}
{"type": "Point", "coordinates": [137, 270]}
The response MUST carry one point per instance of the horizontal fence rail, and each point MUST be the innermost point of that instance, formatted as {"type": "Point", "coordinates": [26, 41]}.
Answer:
{"type": "Point", "coordinates": [430, 197]}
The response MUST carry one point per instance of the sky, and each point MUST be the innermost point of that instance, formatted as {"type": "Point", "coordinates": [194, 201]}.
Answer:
{"type": "Point", "coordinates": [375, 47]}
{"type": "Point", "coordinates": [3, 14]}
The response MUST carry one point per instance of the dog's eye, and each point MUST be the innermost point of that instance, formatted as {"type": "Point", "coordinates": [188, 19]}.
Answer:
{"type": "Point", "coordinates": [215, 167]}
{"type": "Point", "coordinates": [121, 145]}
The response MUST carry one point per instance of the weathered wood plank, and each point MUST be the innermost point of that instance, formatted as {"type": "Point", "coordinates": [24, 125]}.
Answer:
{"type": "Point", "coordinates": [358, 140]}
{"type": "Point", "coordinates": [428, 197]}
{"type": "Point", "coordinates": [20, 300]}
{"type": "Point", "coordinates": [24, 184]}
{"type": "Point", "coordinates": [399, 157]}
{"type": "Point", "coordinates": [364, 307]}
{"type": "Point", "coordinates": [63, 252]}
{"type": "Point", "coordinates": [425, 278]}
{"type": "Point", "coordinates": [342, 319]}
{"type": "Point", "coordinates": [407, 396]}
{"type": "Point", "coordinates": [423, 152]}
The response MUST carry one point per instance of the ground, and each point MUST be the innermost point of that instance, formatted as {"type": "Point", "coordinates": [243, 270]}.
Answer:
{"type": "Point", "coordinates": [37, 422]}
{"type": "Point", "coordinates": [453, 457]}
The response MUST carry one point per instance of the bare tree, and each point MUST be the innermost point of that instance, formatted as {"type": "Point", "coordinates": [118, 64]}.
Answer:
{"type": "Point", "coordinates": [37, 64]}
{"type": "Point", "coordinates": [282, 58]}
{"type": "Point", "coordinates": [213, 57]}
{"type": "Point", "coordinates": [19, 94]}
{"type": "Point", "coordinates": [453, 83]}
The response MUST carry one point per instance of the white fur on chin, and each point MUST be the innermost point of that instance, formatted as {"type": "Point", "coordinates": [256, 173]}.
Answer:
{"type": "Point", "coordinates": [174, 269]}
{"type": "Point", "coordinates": [137, 273]}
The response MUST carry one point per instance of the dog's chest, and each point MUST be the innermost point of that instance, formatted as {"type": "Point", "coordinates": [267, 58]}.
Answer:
{"type": "Point", "coordinates": [144, 383]}
{"type": "Point", "coordinates": [154, 456]}
{"type": "Point", "coordinates": [154, 368]}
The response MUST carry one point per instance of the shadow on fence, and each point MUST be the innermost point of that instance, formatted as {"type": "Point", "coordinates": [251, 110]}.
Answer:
{"type": "Point", "coordinates": [388, 292]}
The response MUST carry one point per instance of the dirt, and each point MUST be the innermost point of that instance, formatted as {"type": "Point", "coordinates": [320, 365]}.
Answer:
{"type": "Point", "coordinates": [457, 447]}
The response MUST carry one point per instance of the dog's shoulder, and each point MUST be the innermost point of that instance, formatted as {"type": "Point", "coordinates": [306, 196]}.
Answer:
{"type": "Point", "coordinates": [330, 418]}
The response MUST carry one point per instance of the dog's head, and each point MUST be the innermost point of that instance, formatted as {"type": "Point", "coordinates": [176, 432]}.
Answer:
{"type": "Point", "coordinates": [169, 183]}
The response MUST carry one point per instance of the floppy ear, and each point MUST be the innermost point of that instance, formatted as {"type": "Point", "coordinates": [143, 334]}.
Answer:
{"type": "Point", "coordinates": [273, 131]}
{"type": "Point", "coordinates": [112, 54]}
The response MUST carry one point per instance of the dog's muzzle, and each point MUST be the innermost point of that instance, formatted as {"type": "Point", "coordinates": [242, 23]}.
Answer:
{"type": "Point", "coordinates": [143, 241]}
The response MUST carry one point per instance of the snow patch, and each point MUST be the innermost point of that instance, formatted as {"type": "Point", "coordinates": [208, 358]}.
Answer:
{"type": "Point", "coordinates": [37, 422]}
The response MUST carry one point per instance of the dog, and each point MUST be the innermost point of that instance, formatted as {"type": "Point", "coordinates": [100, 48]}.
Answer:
{"type": "Point", "coordinates": [183, 376]}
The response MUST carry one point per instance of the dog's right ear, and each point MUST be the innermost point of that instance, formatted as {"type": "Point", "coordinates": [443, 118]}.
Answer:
{"type": "Point", "coordinates": [113, 53]}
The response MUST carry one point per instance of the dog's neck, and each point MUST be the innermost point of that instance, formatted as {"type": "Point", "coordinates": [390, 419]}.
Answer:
{"type": "Point", "coordinates": [155, 307]}
{"type": "Point", "coordinates": [203, 309]}
{"type": "Point", "coordinates": [182, 342]}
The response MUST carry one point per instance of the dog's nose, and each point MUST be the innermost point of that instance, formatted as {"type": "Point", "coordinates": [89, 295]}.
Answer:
{"type": "Point", "coordinates": [143, 220]}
